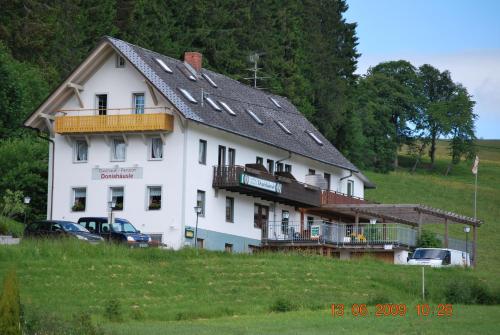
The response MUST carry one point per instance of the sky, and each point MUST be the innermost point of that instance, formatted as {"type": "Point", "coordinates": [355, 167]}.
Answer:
{"type": "Point", "coordinates": [462, 36]}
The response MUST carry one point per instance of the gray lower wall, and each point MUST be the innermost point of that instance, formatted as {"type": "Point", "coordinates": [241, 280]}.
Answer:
{"type": "Point", "coordinates": [213, 240]}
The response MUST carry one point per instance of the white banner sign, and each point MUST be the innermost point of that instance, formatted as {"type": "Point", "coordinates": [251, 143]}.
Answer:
{"type": "Point", "coordinates": [267, 185]}
{"type": "Point", "coordinates": [117, 173]}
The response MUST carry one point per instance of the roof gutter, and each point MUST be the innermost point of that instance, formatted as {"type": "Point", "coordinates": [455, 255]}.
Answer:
{"type": "Point", "coordinates": [286, 158]}
{"type": "Point", "coordinates": [349, 176]}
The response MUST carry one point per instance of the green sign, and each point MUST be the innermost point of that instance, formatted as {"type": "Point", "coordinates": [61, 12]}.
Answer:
{"type": "Point", "coordinates": [189, 233]}
{"type": "Point", "coordinates": [263, 184]}
{"type": "Point", "coordinates": [315, 232]}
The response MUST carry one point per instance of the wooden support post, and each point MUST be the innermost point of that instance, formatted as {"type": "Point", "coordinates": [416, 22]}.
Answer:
{"type": "Point", "coordinates": [356, 219]}
{"type": "Point", "coordinates": [446, 232]}
{"type": "Point", "coordinates": [474, 246]}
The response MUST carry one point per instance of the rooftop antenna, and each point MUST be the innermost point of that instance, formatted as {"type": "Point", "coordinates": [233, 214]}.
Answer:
{"type": "Point", "coordinates": [254, 58]}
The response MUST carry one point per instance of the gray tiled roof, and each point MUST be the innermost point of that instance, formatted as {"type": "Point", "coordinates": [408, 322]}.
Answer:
{"type": "Point", "coordinates": [239, 97]}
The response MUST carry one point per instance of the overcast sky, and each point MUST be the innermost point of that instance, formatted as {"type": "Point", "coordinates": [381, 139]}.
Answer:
{"type": "Point", "coordinates": [461, 36]}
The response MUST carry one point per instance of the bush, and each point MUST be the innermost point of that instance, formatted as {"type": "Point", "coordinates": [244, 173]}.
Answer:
{"type": "Point", "coordinates": [4, 229]}
{"type": "Point", "coordinates": [282, 305]}
{"type": "Point", "coordinates": [48, 324]}
{"type": "Point", "coordinates": [469, 292]}
{"type": "Point", "coordinates": [10, 306]}
{"type": "Point", "coordinates": [113, 310]}
{"type": "Point", "coordinates": [428, 240]}
{"type": "Point", "coordinates": [378, 298]}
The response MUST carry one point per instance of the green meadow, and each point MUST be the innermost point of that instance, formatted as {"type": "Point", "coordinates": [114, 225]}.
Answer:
{"type": "Point", "coordinates": [157, 292]}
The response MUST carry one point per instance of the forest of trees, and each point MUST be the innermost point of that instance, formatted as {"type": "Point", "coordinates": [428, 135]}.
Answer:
{"type": "Point", "coordinates": [308, 52]}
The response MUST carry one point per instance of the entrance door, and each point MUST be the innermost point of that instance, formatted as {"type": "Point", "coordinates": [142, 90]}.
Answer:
{"type": "Point", "coordinates": [260, 218]}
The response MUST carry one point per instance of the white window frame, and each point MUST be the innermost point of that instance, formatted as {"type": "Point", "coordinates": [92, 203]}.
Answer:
{"type": "Point", "coordinates": [150, 149]}
{"type": "Point", "coordinates": [203, 211]}
{"type": "Point", "coordinates": [73, 198]}
{"type": "Point", "coordinates": [75, 151]}
{"type": "Point", "coordinates": [117, 63]}
{"type": "Point", "coordinates": [205, 146]}
{"type": "Point", "coordinates": [96, 102]}
{"type": "Point", "coordinates": [134, 107]}
{"type": "Point", "coordinates": [148, 196]}
{"type": "Point", "coordinates": [113, 159]}
{"type": "Point", "coordinates": [231, 220]}
{"type": "Point", "coordinates": [350, 182]}
{"type": "Point", "coordinates": [110, 196]}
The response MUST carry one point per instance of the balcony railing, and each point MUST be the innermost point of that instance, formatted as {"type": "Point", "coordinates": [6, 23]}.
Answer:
{"type": "Point", "coordinates": [116, 120]}
{"type": "Point", "coordinates": [266, 186]}
{"type": "Point", "coordinates": [340, 235]}
{"type": "Point", "coordinates": [337, 198]}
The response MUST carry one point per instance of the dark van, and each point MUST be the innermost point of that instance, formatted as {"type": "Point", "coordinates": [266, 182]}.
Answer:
{"type": "Point", "coordinates": [122, 231]}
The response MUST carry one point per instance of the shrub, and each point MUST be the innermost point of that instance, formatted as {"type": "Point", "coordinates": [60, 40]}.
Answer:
{"type": "Point", "coordinates": [49, 324]}
{"type": "Point", "coordinates": [428, 240]}
{"type": "Point", "coordinates": [282, 305]}
{"type": "Point", "coordinates": [378, 298]}
{"type": "Point", "coordinates": [468, 292]}
{"type": "Point", "coordinates": [4, 229]}
{"type": "Point", "coordinates": [10, 306]}
{"type": "Point", "coordinates": [113, 310]}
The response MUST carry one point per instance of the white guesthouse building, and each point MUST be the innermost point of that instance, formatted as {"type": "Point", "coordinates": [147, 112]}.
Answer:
{"type": "Point", "coordinates": [159, 136]}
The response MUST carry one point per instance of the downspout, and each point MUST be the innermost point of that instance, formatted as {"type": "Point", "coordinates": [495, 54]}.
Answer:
{"type": "Point", "coordinates": [284, 159]}
{"type": "Point", "coordinates": [184, 178]}
{"type": "Point", "coordinates": [340, 180]}
{"type": "Point", "coordinates": [50, 195]}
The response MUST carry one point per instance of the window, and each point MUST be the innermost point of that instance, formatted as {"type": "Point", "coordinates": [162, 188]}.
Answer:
{"type": "Point", "coordinates": [314, 137]}
{"type": "Point", "coordinates": [163, 65]}
{"type": "Point", "coordinates": [259, 160]}
{"type": "Point", "coordinates": [154, 197]}
{"type": "Point", "coordinates": [188, 95]}
{"type": "Point", "coordinates": [202, 152]}
{"type": "Point", "coordinates": [275, 102]}
{"type": "Point", "coordinates": [254, 116]}
{"type": "Point", "coordinates": [350, 187]}
{"type": "Point", "coordinates": [200, 201]}
{"type": "Point", "coordinates": [228, 247]}
{"type": "Point", "coordinates": [79, 199]}
{"type": "Point", "coordinates": [283, 127]}
{"type": "Point", "coordinates": [102, 103]}
{"type": "Point", "coordinates": [229, 209]}
{"type": "Point", "coordinates": [227, 108]}
{"type": "Point", "coordinates": [221, 160]}
{"type": "Point", "coordinates": [279, 167]}
{"type": "Point", "coordinates": [156, 148]}
{"type": "Point", "coordinates": [120, 61]}
{"type": "Point", "coordinates": [285, 217]}
{"type": "Point", "coordinates": [209, 80]}
{"type": "Point", "coordinates": [231, 157]}
{"type": "Point", "coordinates": [117, 198]}
{"type": "Point", "coordinates": [328, 181]}
{"type": "Point", "coordinates": [138, 101]}
{"type": "Point", "coordinates": [288, 168]}
{"type": "Point", "coordinates": [81, 151]}
{"type": "Point", "coordinates": [310, 222]}
{"type": "Point", "coordinates": [311, 172]}
{"type": "Point", "coordinates": [119, 149]}
{"type": "Point", "coordinates": [270, 166]}
{"type": "Point", "coordinates": [213, 104]}
{"type": "Point", "coordinates": [200, 243]}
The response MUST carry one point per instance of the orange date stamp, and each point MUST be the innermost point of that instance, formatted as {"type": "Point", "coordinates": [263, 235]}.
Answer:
{"type": "Point", "coordinates": [392, 310]}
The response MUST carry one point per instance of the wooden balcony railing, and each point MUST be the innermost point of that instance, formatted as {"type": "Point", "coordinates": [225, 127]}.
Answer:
{"type": "Point", "coordinates": [337, 198]}
{"type": "Point", "coordinates": [118, 122]}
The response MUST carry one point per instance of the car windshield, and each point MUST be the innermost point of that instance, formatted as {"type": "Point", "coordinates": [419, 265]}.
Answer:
{"type": "Point", "coordinates": [73, 227]}
{"type": "Point", "coordinates": [429, 254]}
{"type": "Point", "coordinates": [123, 227]}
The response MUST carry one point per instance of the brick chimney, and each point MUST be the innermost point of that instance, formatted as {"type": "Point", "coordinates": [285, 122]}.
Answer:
{"type": "Point", "coordinates": [194, 59]}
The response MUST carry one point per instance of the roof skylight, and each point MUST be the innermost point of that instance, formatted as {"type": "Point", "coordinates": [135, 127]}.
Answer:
{"type": "Point", "coordinates": [188, 95]}
{"type": "Point", "coordinates": [282, 126]}
{"type": "Point", "coordinates": [275, 102]}
{"type": "Point", "coordinates": [314, 137]}
{"type": "Point", "coordinates": [163, 65]}
{"type": "Point", "coordinates": [254, 116]}
{"type": "Point", "coordinates": [209, 80]}
{"type": "Point", "coordinates": [213, 104]}
{"type": "Point", "coordinates": [227, 108]}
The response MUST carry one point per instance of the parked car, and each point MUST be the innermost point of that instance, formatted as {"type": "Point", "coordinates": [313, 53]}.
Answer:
{"type": "Point", "coordinates": [439, 257]}
{"type": "Point", "coordinates": [121, 231]}
{"type": "Point", "coordinates": [59, 229]}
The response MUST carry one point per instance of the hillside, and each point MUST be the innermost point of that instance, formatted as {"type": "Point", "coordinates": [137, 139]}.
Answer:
{"type": "Point", "coordinates": [454, 192]}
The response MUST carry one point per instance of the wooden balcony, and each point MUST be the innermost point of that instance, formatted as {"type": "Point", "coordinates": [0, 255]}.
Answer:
{"type": "Point", "coordinates": [263, 185]}
{"type": "Point", "coordinates": [112, 123]}
{"type": "Point", "coordinates": [337, 198]}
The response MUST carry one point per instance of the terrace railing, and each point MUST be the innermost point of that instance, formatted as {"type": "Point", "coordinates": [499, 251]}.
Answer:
{"type": "Point", "coordinates": [338, 234]}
